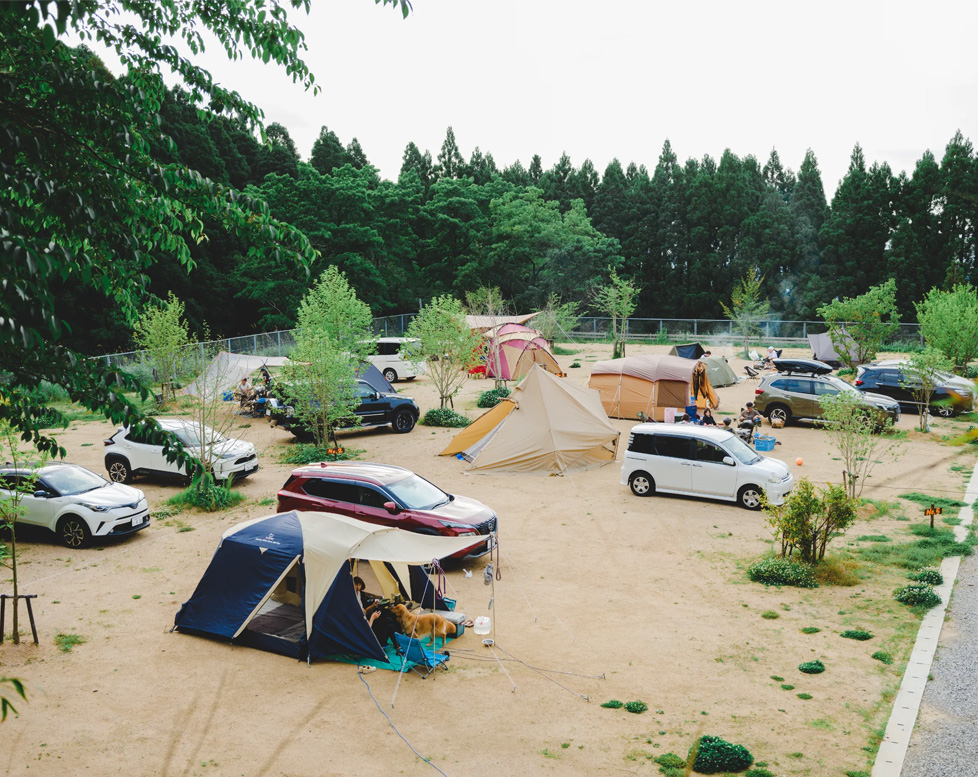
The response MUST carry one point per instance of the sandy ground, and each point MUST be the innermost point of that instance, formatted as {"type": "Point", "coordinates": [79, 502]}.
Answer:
{"type": "Point", "coordinates": [622, 598]}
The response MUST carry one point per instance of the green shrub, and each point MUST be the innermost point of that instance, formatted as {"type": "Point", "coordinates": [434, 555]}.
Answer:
{"type": "Point", "coordinates": [444, 416]}
{"type": "Point", "coordinates": [770, 615]}
{"type": "Point", "coordinates": [716, 755]}
{"type": "Point", "coordinates": [859, 634]}
{"type": "Point", "coordinates": [782, 571]}
{"type": "Point", "coordinates": [759, 772]}
{"type": "Point", "coordinates": [671, 760]}
{"type": "Point", "coordinates": [812, 667]}
{"type": "Point", "coordinates": [613, 704]}
{"type": "Point", "coordinates": [918, 595]}
{"type": "Point", "coordinates": [492, 397]}
{"type": "Point", "coordinates": [810, 630]}
{"type": "Point", "coordinates": [777, 678]}
{"type": "Point", "coordinates": [66, 642]}
{"type": "Point", "coordinates": [929, 576]}
{"type": "Point", "coordinates": [787, 687]}
{"type": "Point", "coordinates": [637, 707]}
{"type": "Point", "coordinates": [307, 453]}
{"type": "Point", "coordinates": [575, 365]}
{"type": "Point", "coordinates": [883, 657]}
{"type": "Point", "coordinates": [204, 494]}
{"type": "Point", "coordinates": [804, 696]}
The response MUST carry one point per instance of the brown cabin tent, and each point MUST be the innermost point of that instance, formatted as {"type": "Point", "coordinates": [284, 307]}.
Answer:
{"type": "Point", "coordinates": [646, 385]}
{"type": "Point", "coordinates": [546, 426]}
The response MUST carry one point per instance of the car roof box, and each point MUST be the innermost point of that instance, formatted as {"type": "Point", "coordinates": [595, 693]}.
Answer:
{"type": "Point", "coordinates": [807, 366]}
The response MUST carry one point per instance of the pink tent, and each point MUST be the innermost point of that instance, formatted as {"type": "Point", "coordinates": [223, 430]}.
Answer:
{"type": "Point", "coordinates": [511, 349]}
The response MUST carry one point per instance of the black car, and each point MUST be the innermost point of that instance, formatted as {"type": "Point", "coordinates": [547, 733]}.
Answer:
{"type": "Point", "coordinates": [952, 394]}
{"type": "Point", "coordinates": [376, 408]}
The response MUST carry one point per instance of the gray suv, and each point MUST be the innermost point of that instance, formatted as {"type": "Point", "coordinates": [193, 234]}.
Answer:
{"type": "Point", "coordinates": [791, 395]}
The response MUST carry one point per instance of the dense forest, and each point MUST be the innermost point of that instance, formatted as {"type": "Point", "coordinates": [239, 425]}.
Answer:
{"type": "Point", "coordinates": [684, 231]}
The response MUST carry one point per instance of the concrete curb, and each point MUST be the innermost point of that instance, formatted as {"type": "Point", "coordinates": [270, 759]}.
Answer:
{"type": "Point", "coordinates": [896, 740]}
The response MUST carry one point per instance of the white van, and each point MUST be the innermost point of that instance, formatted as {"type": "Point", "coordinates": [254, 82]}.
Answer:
{"type": "Point", "coordinates": [392, 365]}
{"type": "Point", "coordinates": [701, 461]}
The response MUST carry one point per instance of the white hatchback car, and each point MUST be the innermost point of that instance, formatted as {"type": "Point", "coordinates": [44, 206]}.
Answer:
{"type": "Point", "coordinates": [75, 503]}
{"type": "Point", "coordinates": [128, 455]}
{"type": "Point", "coordinates": [387, 358]}
{"type": "Point", "coordinates": [701, 461]}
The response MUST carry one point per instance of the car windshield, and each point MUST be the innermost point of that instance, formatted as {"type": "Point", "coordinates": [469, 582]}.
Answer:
{"type": "Point", "coordinates": [416, 493]}
{"type": "Point", "coordinates": [740, 450]}
{"type": "Point", "coordinates": [839, 385]}
{"type": "Point", "coordinates": [73, 480]}
{"type": "Point", "coordinates": [189, 437]}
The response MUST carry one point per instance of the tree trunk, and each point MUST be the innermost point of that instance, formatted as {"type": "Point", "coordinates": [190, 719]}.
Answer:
{"type": "Point", "coordinates": [13, 569]}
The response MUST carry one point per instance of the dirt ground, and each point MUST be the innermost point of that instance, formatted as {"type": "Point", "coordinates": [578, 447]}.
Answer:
{"type": "Point", "coordinates": [618, 597]}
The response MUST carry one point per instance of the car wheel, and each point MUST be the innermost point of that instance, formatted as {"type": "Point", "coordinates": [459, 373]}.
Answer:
{"type": "Point", "coordinates": [779, 413]}
{"type": "Point", "coordinates": [944, 411]}
{"type": "Point", "coordinates": [73, 532]}
{"type": "Point", "coordinates": [403, 421]}
{"type": "Point", "coordinates": [390, 375]}
{"type": "Point", "coordinates": [642, 484]}
{"type": "Point", "coordinates": [750, 497]}
{"type": "Point", "coordinates": [119, 470]}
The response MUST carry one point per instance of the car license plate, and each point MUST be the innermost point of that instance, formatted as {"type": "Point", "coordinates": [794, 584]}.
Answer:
{"type": "Point", "coordinates": [136, 521]}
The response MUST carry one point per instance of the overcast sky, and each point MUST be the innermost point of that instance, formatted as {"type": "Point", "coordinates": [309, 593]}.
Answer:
{"type": "Point", "coordinates": [614, 78]}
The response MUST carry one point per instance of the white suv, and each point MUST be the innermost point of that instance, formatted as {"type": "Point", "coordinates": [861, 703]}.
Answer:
{"type": "Point", "coordinates": [701, 461]}
{"type": "Point", "coordinates": [75, 503]}
{"type": "Point", "coordinates": [128, 455]}
{"type": "Point", "coordinates": [391, 364]}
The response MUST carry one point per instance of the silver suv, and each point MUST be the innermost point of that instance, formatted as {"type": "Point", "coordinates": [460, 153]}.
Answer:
{"type": "Point", "coordinates": [791, 395]}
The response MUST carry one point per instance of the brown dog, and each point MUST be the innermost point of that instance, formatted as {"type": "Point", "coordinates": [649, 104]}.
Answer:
{"type": "Point", "coordinates": [418, 624]}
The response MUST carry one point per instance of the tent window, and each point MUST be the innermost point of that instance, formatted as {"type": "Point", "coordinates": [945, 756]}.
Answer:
{"type": "Point", "coordinates": [672, 447]}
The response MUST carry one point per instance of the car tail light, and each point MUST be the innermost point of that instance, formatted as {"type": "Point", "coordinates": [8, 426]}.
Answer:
{"type": "Point", "coordinates": [859, 383]}
{"type": "Point", "coordinates": [110, 441]}
{"type": "Point", "coordinates": [758, 391]}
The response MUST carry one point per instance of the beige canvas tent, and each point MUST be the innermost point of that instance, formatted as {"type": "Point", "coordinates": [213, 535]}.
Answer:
{"type": "Point", "coordinates": [485, 323]}
{"type": "Point", "coordinates": [546, 426]}
{"type": "Point", "coordinates": [646, 385]}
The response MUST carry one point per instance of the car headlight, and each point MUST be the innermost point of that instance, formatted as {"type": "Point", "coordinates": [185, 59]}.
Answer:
{"type": "Point", "coordinates": [229, 455]}
{"type": "Point", "coordinates": [94, 508]}
{"type": "Point", "coordinates": [774, 478]}
{"type": "Point", "coordinates": [461, 526]}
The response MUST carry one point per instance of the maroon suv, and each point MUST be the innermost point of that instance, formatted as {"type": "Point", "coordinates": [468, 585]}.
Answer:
{"type": "Point", "coordinates": [389, 496]}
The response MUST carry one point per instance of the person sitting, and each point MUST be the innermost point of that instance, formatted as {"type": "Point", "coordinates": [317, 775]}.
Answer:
{"type": "Point", "coordinates": [749, 414]}
{"type": "Point", "coordinates": [684, 419]}
{"type": "Point", "coordinates": [245, 391]}
{"type": "Point", "coordinates": [708, 419]}
{"type": "Point", "coordinates": [770, 357]}
{"type": "Point", "coordinates": [381, 620]}
{"type": "Point", "coordinates": [727, 422]}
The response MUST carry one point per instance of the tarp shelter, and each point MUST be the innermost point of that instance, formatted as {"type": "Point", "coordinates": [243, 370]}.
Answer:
{"type": "Point", "coordinates": [485, 323]}
{"type": "Point", "coordinates": [284, 583]}
{"type": "Point", "coordinates": [368, 371]}
{"type": "Point", "coordinates": [647, 385]}
{"type": "Point", "coordinates": [687, 351]}
{"type": "Point", "coordinates": [823, 349]}
{"type": "Point", "coordinates": [546, 426]}
{"type": "Point", "coordinates": [226, 370]}
{"type": "Point", "coordinates": [512, 349]}
{"type": "Point", "coordinates": [719, 372]}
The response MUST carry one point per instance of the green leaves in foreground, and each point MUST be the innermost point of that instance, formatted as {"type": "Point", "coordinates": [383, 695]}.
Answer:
{"type": "Point", "coordinates": [5, 705]}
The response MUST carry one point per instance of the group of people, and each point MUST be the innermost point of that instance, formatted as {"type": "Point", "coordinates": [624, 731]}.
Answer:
{"type": "Point", "coordinates": [748, 414]}
{"type": "Point", "coordinates": [247, 392]}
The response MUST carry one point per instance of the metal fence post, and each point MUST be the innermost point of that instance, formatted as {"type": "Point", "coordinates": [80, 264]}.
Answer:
{"type": "Point", "coordinates": [256, 345]}
{"type": "Point", "coordinates": [279, 333]}
{"type": "Point", "coordinates": [695, 323]}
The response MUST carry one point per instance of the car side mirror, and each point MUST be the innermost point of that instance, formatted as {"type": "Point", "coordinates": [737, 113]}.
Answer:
{"type": "Point", "coordinates": [41, 494]}
{"type": "Point", "coordinates": [375, 395]}
{"type": "Point", "coordinates": [728, 461]}
{"type": "Point", "coordinates": [392, 508]}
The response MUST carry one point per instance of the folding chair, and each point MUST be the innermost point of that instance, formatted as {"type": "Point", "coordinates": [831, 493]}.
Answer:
{"type": "Point", "coordinates": [752, 374]}
{"type": "Point", "coordinates": [411, 649]}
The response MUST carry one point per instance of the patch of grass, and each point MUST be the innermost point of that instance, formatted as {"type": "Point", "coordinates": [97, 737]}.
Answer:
{"type": "Point", "coordinates": [307, 453]}
{"type": "Point", "coordinates": [65, 642]}
{"type": "Point", "coordinates": [917, 595]}
{"type": "Point", "coordinates": [926, 500]}
{"type": "Point", "coordinates": [163, 513]}
{"type": "Point", "coordinates": [787, 687]}
{"type": "Point", "coordinates": [574, 365]}
{"type": "Point", "coordinates": [445, 417]}
{"type": "Point", "coordinates": [670, 759]}
{"type": "Point", "coordinates": [777, 678]}
{"type": "Point", "coordinates": [837, 571]}
{"type": "Point", "coordinates": [857, 634]}
{"type": "Point", "coordinates": [932, 547]}
{"type": "Point", "coordinates": [613, 704]}
{"type": "Point", "coordinates": [881, 508]}
{"type": "Point", "coordinates": [804, 696]}
{"type": "Point", "coordinates": [758, 771]}
{"type": "Point", "coordinates": [636, 707]}
{"type": "Point", "coordinates": [770, 615]}
{"type": "Point", "coordinates": [928, 576]}
{"type": "Point", "coordinates": [547, 753]}
{"type": "Point", "coordinates": [883, 657]}
{"type": "Point", "coordinates": [205, 494]}
{"type": "Point", "coordinates": [561, 351]}
{"type": "Point", "coordinates": [812, 667]}
{"type": "Point", "coordinates": [810, 630]}
{"type": "Point", "coordinates": [873, 538]}
{"type": "Point", "coordinates": [268, 501]}
{"type": "Point", "coordinates": [137, 596]}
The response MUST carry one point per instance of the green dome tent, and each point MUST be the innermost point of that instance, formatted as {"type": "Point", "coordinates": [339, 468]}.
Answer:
{"type": "Point", "coordinates": [719, 371]}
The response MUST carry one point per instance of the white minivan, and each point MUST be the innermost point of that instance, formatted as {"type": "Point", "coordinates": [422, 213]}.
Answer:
{"type": "Point", "coordinates": [701, 461]}
{"type": "Point", "coordinates": [387, 358]}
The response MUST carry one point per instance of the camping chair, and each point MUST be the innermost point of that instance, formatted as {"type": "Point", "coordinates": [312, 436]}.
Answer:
{"type": "Point", "coordinates": [410, 649]}
{"type": "Point", "coordinates": [752, 374]}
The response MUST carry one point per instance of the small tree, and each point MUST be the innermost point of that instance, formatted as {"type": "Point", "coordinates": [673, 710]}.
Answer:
{"type": "Point", "coordinates": [859, 436]}
{"type": "Point", "coordinates": [860, 325]}
{"type": "Point", "coordinates": [488, 302]}
{"type": "Point", "coordinates": [556, 319]}
{"type": "Point", "coordinates": [12, 508]}
{"type": "Point", "coordinates": [164, 334]}
{"type": "Point", "coordinates": [922, 376]}
{"type": "Point", "coordinates": [617, 300]}
{"type": "Point", "coordinates": [333, 337]}
{"type": "Point", "coordinates": [807, 520]}
{"type": "Point", "coordinates": [747, 308]}
{"type": "Point", "coordinates": [446, 342]}
{"type": "Point", "coordinates": [949, 323]}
